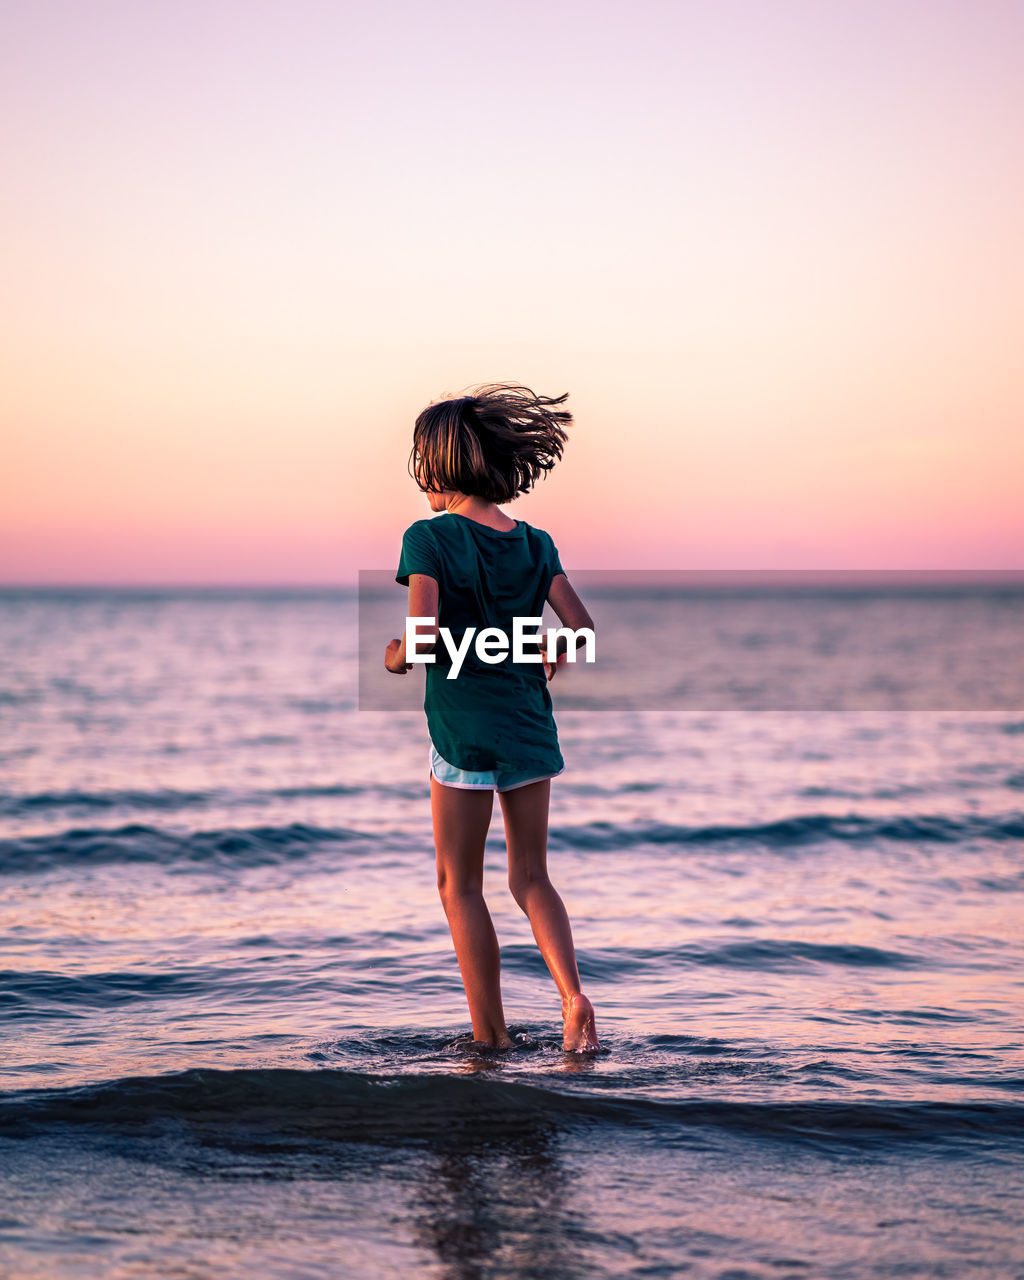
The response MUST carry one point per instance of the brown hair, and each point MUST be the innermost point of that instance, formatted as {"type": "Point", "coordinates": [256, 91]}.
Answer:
{"type": "Point", "coordinates": [493, 443]}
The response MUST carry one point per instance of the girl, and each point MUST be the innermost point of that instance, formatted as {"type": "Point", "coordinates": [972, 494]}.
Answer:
{"type": "Point", "coordinates": [491, 727]}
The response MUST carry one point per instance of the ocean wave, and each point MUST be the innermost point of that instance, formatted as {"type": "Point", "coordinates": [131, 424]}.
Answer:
{"type": "Point", "coordinates": [136, 842]}
{"type": "Point", "coordinates": [254, 1105]}
{"type": "Point", "coordinates": [43, 994]}
{"type": "Point", "coordinates": [269, 845]}
{"type": "Point", "coordinates": [36, 993]}
{"type": "Point", "coordinates": [759, 954]}
{"type": "Point", "coordinates": [19, 806]}
{"type": "Point", "coordinates": [615, 964]}
{"type": "Point", "coordinates": [786, 833]}
{"type": "Point", "coordinates": [165, 800]}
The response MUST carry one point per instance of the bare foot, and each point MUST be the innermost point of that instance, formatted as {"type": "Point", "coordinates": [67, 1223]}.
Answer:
{"type": "Point", "coordinates": [580, 1033]}
{"type": "Point", "coordinates": [501, 1040]}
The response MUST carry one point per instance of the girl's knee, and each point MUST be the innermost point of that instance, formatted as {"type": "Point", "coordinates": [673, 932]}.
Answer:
{"type": "Point", "coordinates": [522, 883]}
{"type": "Point", "coordinates": [450, 887]}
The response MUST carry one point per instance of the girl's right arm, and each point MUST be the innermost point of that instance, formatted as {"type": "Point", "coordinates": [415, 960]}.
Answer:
{"type": "Point", "coordinates": [423, 597]}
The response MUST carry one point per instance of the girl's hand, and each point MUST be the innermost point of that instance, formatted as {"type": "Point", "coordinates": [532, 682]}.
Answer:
{"type": "Point", "coordinates": [551, 667]}
{"type": "Point", "coordinates": [390, 657]}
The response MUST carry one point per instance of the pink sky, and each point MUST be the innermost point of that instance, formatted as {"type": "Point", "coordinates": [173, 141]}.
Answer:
{"type": "Point", "coordinates": [772, 250]}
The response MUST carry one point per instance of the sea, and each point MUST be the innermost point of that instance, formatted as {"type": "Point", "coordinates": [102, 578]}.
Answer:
{"type": "Point", "coordinates": [234, 1041]}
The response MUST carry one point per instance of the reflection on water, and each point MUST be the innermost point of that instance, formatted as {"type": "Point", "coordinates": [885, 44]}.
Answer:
{"type": "Point", "coordinates": [489, 1208]}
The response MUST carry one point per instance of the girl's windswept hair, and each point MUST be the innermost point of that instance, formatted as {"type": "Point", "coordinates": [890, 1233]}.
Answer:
{"type": "Point", "coordinates": [493, 443]}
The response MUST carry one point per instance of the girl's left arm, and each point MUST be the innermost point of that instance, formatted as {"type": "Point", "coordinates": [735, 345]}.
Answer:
{"type": "Point", "coordinates": [423, 595]}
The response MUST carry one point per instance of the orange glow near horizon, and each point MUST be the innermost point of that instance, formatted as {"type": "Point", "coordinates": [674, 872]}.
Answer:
{"type": "Point", "coordinates": [775, 263]}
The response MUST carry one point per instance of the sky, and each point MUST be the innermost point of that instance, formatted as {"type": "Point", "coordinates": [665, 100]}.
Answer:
{"type": "Point", "coordinates": [770, 248]}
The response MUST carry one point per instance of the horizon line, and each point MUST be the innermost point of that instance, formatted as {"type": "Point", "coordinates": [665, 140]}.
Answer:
{"type": "Point", "coordinates": [607, 576]}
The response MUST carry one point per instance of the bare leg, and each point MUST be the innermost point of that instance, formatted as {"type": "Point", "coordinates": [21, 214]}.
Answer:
{"type": "Point", "coordinates": [461, 819]}
{"type": "Point", "coordinates": [526, 834]}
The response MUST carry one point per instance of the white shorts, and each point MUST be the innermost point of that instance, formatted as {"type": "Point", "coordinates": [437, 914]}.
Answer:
{"type": "Point", "coordinates": [483, 779]}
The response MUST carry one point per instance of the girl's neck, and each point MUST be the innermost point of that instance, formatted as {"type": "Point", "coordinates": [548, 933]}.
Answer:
{"type": "Point", "coordinates": [480, 510]}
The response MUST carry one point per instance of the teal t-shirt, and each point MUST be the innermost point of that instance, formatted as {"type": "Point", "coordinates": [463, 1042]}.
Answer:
{"type": "Point", "coordinates": [491, 715]}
